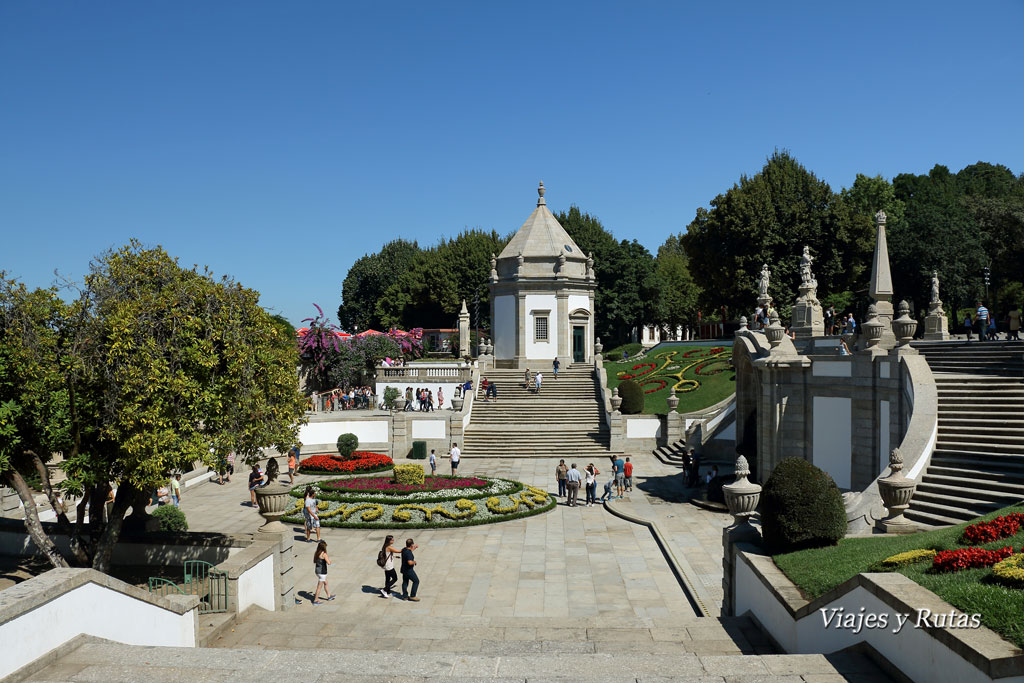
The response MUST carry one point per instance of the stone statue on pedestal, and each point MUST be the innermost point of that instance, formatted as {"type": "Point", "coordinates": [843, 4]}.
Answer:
{"type": "Point", "coordinates": [762, 283]}
{"type": "Point", "coordinates": [590, 266]}
{"type": "Point", "coordinates": [935, 325]}
{"type": "Point", "coordinates": [494, 268]}
{"type": "Point", "coordinates": [808, 318]}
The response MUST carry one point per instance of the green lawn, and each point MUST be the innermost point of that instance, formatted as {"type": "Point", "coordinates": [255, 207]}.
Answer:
{"type": "Point", "coordinates": [973, 591]}
{"type": "Point", "coordinates": [697, 389]}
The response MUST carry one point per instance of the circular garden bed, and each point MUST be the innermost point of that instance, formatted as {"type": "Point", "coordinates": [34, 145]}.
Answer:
{"type": "Point", "coordinates": [440, 502]}
{"type": "Point", "coordinates": [359, 462]}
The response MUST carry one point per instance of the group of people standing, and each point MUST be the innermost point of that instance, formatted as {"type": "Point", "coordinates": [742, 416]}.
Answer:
{"type": "Point", "coordinates": [986, 324]}
{"type": "Point", "coordinates": [422, 399]}
{"type": "Point", "coordinates": [569, 479]}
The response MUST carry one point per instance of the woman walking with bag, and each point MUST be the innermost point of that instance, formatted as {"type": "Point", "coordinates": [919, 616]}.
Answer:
{"type": "Point", "coordinates": [386, 561]}
{"type": "Point", "coordinates": [320, 564]}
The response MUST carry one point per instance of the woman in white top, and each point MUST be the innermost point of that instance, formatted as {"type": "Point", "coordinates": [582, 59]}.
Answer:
{"type": "Point", "coordinates": [390, 575]}
{"type": "Point", "coordinates": [591, 474]}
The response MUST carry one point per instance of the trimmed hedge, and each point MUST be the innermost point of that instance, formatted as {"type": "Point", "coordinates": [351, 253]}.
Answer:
{"type": "Point", "coordinates": [801, 507]}
{"type": "Point", "coordinates": [346, 444]}
{"type": "Point", "coordinates": [410, 474]}
{"type": "Point", "coordinates": [171, 518]}
{"type": "Point", "coordinates": [632, 398]}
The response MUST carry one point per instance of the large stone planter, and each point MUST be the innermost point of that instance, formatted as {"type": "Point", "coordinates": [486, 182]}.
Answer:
{"type": "Point", "coordinates": [273, 501]}
{"type": "Point", "coordinates": [400, 403]}
{"type": "Point", "coordinates": [896, 492]}
{"type": "Point", "coordinates": [457, 404]}
{"type": "Point", "coordinates": [616, 400]}
{"type": "Point", "coordinates": [741, 496]}
{"type": "Point", "coordinates": [774, 332]}
{"type": "Point", "coordinates": [673, 402]}
{"type": "Point", "coordinates": [904, 326]}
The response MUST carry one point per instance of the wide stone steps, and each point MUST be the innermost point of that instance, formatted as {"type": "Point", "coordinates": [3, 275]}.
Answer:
{"type": "Point", "coordinates": [610, 661]}
{"type": "Point", "coordinates": [978, 463]}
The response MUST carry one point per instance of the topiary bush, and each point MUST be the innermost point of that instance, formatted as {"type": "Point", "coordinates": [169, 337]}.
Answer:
{"type": "Point", "coordinates": [171, 518]}
{"type": "Point", "coordinates": [346, 444]}
{"type": "Point", "coordinates": [801, 507]}
{"type": "Point", "coordinates": [632, 398]}
{"type": "Point", "coordinates": [410, 474]}
{"type": "Point", "coordinates": [612, 356]}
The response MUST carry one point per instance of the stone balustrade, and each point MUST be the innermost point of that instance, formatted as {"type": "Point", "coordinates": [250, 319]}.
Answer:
{"type": "Point", "coordinates": [452, 372]}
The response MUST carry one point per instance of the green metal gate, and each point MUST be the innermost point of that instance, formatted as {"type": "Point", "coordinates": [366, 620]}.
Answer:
{"type": "Point", "coordinates": [201, 579]}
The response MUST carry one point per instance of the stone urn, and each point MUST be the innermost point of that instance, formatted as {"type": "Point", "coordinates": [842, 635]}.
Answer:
{"type": "Point", "coordinates": [896, 491]}
{"type": "Point", "coordinates": [273, 501]}
{"type": "Point", "coordinates": [673, 402]}
{"type": "Point", "coordinates": [490, 347]}
{"type": "Point", "coordinates": [400, 403]}
{"type": "Point", "coordinates": [741, 496]}
{"type": "Point", "coordinates": [598, 346]}
{"type": "Point", "coordinates": [904, 326]}
{"type": "Point", "coordinates": [457, 404]}
{"type": "Point", "coordinates": [774, 332]}
{"type": "Point", "coordinates": [616, 400]}
{"type": "Point", "coordinates": [872, 328]}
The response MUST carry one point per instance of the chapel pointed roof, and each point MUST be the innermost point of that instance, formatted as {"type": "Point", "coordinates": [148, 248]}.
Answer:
{"type": "Point", "coordinates": [541, 236]}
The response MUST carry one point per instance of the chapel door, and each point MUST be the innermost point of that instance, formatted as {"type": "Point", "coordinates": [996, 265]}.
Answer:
{"type": "Point", "coordinates": [579, 334]}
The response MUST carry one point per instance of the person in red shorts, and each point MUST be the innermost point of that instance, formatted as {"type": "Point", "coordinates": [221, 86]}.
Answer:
{"type": "Point", "coordinates": [627, 470]}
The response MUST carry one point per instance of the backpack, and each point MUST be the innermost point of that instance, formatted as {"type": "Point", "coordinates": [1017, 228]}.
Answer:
{"type": "Point", "coordinates": [382, 558]}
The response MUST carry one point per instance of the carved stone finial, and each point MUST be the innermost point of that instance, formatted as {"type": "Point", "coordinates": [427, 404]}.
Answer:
{"type": "Point", "coordinates": [880, 217]}
{"type": "Point", "coordinates": [895, 461]}
{"type": "Point", "coordinates": [742, 467]}
{"type": "Point", "coordinates": [904, 308]}
{"type": "Point", "coordinates": [540, 194]}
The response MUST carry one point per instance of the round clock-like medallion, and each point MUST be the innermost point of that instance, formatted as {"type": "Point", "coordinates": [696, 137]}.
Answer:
{"type": "Point", "coordinates": [568, 248]}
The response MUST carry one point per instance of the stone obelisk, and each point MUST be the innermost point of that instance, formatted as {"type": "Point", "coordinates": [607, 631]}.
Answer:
{"type": "Point", "coordinates": [464, 331]}
{"type": "Point", "coordinates": [881, 283]}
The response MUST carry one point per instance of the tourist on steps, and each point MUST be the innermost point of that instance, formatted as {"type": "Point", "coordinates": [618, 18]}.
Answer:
{"type": "Point", "coordinates": [555, 364]}
{"type": "Point", "coordinates": [561, 472]}
{"type": "Point", "coordinates": [538, 379]}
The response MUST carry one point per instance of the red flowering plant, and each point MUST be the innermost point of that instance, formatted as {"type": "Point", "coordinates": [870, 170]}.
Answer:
{"type": "Point", "coordinates": [333, 464]}
{"type": "Point", "coordinates": [968, 558]}
{"type": "Point", "coordinates": [1003, 526]}
{"type": "Point", "coordinates": [386, 485]}
{"type": "Point", "coordinates": [659, 384]}
{"type": "Point", "coordinates": [650, 368]}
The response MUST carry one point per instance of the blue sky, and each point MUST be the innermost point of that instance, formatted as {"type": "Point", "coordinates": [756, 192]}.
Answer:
{"type": "Point", "coordinates": [278, 142]}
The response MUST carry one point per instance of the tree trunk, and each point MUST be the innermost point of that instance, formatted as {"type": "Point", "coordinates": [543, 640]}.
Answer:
{"type": "Point", "coordinates": [35, 528]}
{"type": "Point", "coordinates": [112, 531]}
{"type": "Point", "coordinates": [63, 523]}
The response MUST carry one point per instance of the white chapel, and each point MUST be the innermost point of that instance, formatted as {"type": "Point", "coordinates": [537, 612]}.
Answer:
{"type": "Point", "coordinates": [542, 296]}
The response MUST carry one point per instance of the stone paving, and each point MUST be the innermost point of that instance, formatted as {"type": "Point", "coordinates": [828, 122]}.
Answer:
{"type": "Point", "coordinates": [570, 562]}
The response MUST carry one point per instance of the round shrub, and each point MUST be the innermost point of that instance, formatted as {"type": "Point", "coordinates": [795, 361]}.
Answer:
{"type": "Point", "coordinates": [613, 356]}
{"type": "Point", "coordinates": [632, 398]}
{"type": "Point", "coordinates": [801, 507]}
{"type": "Point", "coordinates": [346, 444]}
{"type": "Point", "coordinates": [171, 518]}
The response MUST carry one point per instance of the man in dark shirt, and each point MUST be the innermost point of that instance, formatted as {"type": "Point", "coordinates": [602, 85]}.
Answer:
{"type": "Point", "coordinates": [409, 571]}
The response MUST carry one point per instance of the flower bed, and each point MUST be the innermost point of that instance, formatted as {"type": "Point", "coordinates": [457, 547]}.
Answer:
{"type": "Point", "coordinates": [968, 558]}
{"type": "Point", "coordinates": [439, 502]}
{"type": "Point", "coordinates": [358, 462]}
{"type": "Point", "coordinates": [1010, 572]}
{"type": "Point", "coordinates": [999, 528]}
{"type": "Point", "coordinates": [386, 485]}
{"type": "Point", "coordinates": [699, 376]}
{"type": "Point", "coordinates": [908, 557]}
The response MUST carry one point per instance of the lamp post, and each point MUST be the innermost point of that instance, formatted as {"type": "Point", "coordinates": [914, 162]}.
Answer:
{"type": "Point", "coordinates": [987, 272]}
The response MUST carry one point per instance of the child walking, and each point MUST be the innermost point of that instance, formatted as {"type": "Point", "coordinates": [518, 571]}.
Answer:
{"type": "Point", "coordinates": [320, 564]}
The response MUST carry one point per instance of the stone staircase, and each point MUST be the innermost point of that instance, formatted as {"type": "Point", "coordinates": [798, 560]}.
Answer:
{"type": "Point", "coordinates": [276, 646]}
{"type": "Point", "coordinates": [564, 420]}
{"type": "Point", "coordinates": [978, 463]}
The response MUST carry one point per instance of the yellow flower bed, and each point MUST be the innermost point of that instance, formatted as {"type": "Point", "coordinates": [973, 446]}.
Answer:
{"type": "Point", "coordinates": [1011, 571]}
{"type": "Point", "coordinates": [402, 514]}
{"type": "Point", "coordinates": [370, 511]}
{"type": "Point", "coordinates": [530, 497]}
{"type": "Point", "coordinates": [909, 557]}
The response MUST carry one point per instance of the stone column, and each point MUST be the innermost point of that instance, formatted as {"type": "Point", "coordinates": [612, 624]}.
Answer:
{"type": "Point", "coordinates": [522, 330]}
{"type": "Point", "coordinates": [464, 331]}
{"type": "Point", "coordinates": [399, 435]}
{"type": "Point", "coordinates": [284, 577]}
{"type": "Point", "coordinates": [564, 327]}
{"type": "Point", "coordinates": [881, 282]}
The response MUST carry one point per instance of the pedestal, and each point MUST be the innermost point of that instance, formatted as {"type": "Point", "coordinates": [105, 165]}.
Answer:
{"type": "Point", "coordinates": [936, 327]}
{"type": "Point", "coordinates": [808, 318]}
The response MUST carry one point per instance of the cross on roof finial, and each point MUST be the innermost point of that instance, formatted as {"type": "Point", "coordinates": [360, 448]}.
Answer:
{"type": "Point", "coordinates": [540, 193]}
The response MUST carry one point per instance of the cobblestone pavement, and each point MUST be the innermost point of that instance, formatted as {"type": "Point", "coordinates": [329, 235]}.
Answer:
{"type": "Point", "coordinates": [570, 562]}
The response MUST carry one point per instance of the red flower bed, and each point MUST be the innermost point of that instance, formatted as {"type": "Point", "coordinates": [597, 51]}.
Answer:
{"type": "Point", "coordinates": [650, 367]}
{"type": "Point", "coordinates": [386, 485]}
{"type": "Point", "coordinates": [993, 530]}
{"type": "Point", "coordinates": [968, 558]}
{"type": "Point", "coordinates": [698, 370]}
{"type": "Point", "coordinates": [333, 464]}
{"type": "Point", "coordinates": [661, 384]}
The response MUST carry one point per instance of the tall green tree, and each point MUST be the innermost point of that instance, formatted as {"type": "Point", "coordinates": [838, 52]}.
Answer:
{"type": "Point", "coordinates": [768, 218]}
{"type": "Point", "coordinates": [152, 369]}
{"type": "Point", "coordinates": [677, 293]}
{"type": "Point", "coordinates": [366, 281]}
